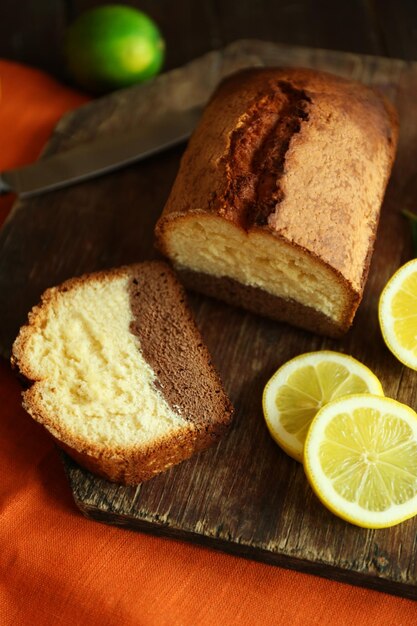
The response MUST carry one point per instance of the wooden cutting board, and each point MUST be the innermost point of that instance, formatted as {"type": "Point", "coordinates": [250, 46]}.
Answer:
{"type": "Point", "coordinates": [244, 496]}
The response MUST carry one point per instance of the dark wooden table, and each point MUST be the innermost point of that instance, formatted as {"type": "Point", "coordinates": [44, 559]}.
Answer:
{"type": "Point", "coordinates": [32, 31]}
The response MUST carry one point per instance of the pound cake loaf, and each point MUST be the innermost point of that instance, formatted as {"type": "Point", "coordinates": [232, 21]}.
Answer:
{"type": "Point", "coordinates": [276, 204]}
{"type": "Point", "coordinates": [119, 373]}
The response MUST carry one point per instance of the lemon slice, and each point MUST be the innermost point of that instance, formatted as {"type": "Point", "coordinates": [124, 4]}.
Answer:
{"type": "Point", "coordinates": [302, 386]}
{"type": "Point", "coordinates": [360, 458]}
{"type": "Point", "coordinates": [398, 314]}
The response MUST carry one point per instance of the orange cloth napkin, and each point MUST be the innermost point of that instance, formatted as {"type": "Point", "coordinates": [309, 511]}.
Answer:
{"type": "Point", "coordinates": [58, 568]}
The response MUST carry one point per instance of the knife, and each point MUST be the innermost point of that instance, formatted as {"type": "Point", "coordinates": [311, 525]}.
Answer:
{"type": "Point", "coordinates": [101, 155]}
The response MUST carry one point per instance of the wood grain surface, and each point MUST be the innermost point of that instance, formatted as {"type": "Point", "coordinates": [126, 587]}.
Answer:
{"type": "Point", "coordinates": [245, 495]}
{"type": "Point", "coordinates": [33, 31]}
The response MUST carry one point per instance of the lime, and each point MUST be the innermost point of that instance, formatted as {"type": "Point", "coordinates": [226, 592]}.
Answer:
{"type": "Point", "coordinates": [113, 46]}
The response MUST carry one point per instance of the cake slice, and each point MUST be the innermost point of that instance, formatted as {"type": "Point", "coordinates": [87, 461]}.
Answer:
{"type": "Point", "coordinates": [119, 373]}
{"type": "Point", "coordinates": [276, 204]}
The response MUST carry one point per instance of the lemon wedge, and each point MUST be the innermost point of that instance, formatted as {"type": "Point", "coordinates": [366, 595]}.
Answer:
{"type": "Point", "coordinates": [360, 457]}
{"type": "Point", "coordinates": [302, 386]}
{"type": "Point", "coordinates": [398, 314]}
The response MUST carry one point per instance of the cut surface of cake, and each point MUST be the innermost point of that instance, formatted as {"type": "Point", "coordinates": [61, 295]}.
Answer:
{"type": "Point", "coordinates": [119, 373]}
{"type": "Point", "coordinates": [276, 204]}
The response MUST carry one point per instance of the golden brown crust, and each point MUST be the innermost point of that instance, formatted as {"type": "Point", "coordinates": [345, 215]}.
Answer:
{"type": "Point", "coordinates": [135, 463]}
{"type": "Point", "coordinates": [134, 466]}
{"type": "Point", "coordinates": [326, 143]}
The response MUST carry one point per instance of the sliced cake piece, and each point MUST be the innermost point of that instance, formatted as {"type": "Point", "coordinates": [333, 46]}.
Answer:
{"type": "Point", "coordinates": [119, 373]}
{"type": "Point", "coordinates": [276, 203]}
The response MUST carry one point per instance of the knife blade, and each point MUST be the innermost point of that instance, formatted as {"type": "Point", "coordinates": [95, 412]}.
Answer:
{"type": "Point", "coordinates": [101, 155]}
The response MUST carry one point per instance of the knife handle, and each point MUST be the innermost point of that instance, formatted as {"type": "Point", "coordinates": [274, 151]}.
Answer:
{"type": "Point", "coordinates": [4, 187]}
